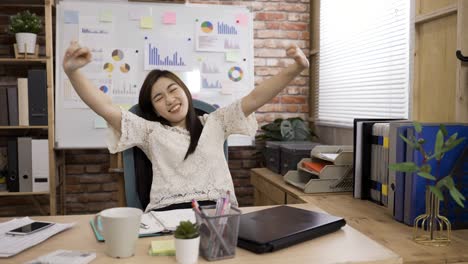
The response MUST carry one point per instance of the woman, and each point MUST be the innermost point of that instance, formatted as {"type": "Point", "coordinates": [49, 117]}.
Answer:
{"type": "Point", "coordinates": [186, 151]}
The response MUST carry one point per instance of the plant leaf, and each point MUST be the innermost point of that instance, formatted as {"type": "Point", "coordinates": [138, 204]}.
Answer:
{"type": "Point", "coordinates": [437, 192]}
{"type": "Point", "coordinates": [438, 145]}
{"type": "Point", "coordinates": [443, 129]}
{"type": "Point", "coordinates": [426, 168]}
{"type": "Point", "coordinates": [453, 144]}
{"type": "Point", "coordinates": [404, 167]}
{"type": "Point", "coordinates": [457, 196]}
{"type": "Point", "coordinates": [426, 175]}
{"type": "Point", "coordinates": [417, 126]}
{"type": "Point", "coordinates": [409, 142]}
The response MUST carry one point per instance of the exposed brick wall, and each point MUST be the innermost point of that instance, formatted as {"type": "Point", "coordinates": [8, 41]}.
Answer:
{"type": "Point", "coordinates": [90, 188]}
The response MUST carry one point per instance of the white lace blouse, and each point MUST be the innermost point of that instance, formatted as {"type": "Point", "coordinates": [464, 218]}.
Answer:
{"type": "Point", "coordinates": [204, 175]}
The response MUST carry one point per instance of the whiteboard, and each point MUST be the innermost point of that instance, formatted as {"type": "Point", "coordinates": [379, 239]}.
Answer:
{"type": "Point", "coordinates": [210, 47]}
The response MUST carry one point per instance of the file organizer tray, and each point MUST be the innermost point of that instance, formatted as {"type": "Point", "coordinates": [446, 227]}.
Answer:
{"type": "Point", "coordinates": [218, 234]}
{"type": "Point", "coordinates": [332, 178]}
{"type": "Point", "coordinates": [343, 154]}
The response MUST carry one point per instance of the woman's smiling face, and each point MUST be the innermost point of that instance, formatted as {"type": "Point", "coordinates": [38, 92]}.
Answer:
{"type": "Point", "coordinates": [170, 101]}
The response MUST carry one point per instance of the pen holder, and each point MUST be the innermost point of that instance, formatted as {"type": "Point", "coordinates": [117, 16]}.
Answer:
{"type": "Point", "coordinates": [218, 234]}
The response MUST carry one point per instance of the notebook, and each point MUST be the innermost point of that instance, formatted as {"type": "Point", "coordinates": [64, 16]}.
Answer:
{"type": "Point", "coordinates": [283, 226]}
{"type": "Point", "coordinates": [155, 223]}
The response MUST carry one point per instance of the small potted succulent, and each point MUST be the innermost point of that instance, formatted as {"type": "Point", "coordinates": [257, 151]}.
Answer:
{"type": "Point", "coordinates": [25, 25]}
{"type": "Point", "coordinates": [187, 242]}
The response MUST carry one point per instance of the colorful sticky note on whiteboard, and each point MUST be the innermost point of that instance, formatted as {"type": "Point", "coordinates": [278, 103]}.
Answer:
{"type": "Point", "coordinates": [146, 22]}
{"type": "Point", "coordinates": [105, 16]}
{"type": "Point", "coordinates": [169, 18]}
{"type": "Point", "coordinates": [233, 56]}
{"type": "Point", "coordinates": [242, 19]}
{"type": "Point", "coordinates": [70, 17]}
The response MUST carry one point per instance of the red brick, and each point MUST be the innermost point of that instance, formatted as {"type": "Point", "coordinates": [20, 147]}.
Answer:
{"type": "Point", "coordinates": [245, 200]}
{"type": "Point", "coordinates": [291, 108]}
{"type": "Point", "coordinates": [294, 90]}
{"type": "Point", "coordinates": [87, 159]}
{"type": "Point", "coordinates": [305, 17]}
{"type": "Point", "coordinates": [93, 187]}
{"type": "Point", "coordinates": [270, 16]}
{"type": "Point", "coordinates": [248, 164]}
{"type": "Point", "coordinates": [94, 168]}
{"type": "Point", "coordinates": [269, 53]}
{"type": "Point", "coordinates": [293, 99]}
{"type": "Point", "coordinates": [241, 182]}
{"type": "Point", "coordinates": [259, 25]}
{"type": "Point", "coordinates": [241, 154]}
{"type": "Point", "coordinates": [72, 179]}
{"type": "Point", "coordinates": [291, 34]}
{"type": "Point", "coordinates": [259, 62]}
{"type": "Point", "coordinates": [242, 191]}
{"type": "Point", "coordinates": [234, 164]}
{"type": "Point", "coordinates": [97, 207]}
{"type": "Point", "coordinates": [293, 7]}
{"type": "Point", "coordinates": [111, 186]}
{"type": "Point", "coordinates": [274, 100]}
{"type": "Point", "coordinates": [74, 189]}
{"type": "Point", "coordinates": [272, 25]}
{"type": "Point", "coordinates": [305, 35]}
{"type": "Point", "coordinates": [304, 108]}
{"type": "Point", "coordinates": [293, 17]}
{"type": "Point", "coordinates": [100, 197]}
{"type": "Point", "coordinates": [74, 169]}
{"type": "Point", "coordinates": [267, 6]}
{"type": "Point", "coordinates": [98, 178]}
{"type": "Point", "coordinates": [293, 26]}
{"type": "Point", "coordinates": [240, 173]}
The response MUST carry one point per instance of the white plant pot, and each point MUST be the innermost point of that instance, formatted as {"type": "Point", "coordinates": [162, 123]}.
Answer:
{"type": "Point", "coordinates": [26, 38]}
{"type": "Point", "coordinates": [187, 250]}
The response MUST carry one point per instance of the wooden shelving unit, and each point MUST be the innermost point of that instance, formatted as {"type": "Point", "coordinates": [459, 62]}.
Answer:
{"type": "Point", "coordinates": [44, 131]}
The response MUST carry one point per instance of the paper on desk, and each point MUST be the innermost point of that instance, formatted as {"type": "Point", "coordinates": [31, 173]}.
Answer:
{"type": "Point", "coordinates": [12, 245]}
{"type": "Point", "coordinates": [165, 221]}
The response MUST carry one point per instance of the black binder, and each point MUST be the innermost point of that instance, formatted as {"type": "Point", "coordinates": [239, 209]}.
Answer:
{"type": "Point", "coordinates": [37, 97]}
{"type": "Point", "coordinates": [283, 226]}
{"type": "Point", "coordinates": [12, 152]}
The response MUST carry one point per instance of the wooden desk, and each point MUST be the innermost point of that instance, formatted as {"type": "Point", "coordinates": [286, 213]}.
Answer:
{"type": "Point", "coordinates": [372, 220]}
{"type": "Point", "coordinates": [344, 246]}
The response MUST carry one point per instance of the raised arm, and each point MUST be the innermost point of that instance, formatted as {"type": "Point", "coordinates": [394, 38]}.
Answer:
{"type": "Point", "coordinates": [269, 88]}
{"type": "Point", "coordinates": [76, 57]}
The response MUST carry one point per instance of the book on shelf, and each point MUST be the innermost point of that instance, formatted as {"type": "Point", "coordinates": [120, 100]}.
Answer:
{"type": "Point", "coordinates": [155, 223]}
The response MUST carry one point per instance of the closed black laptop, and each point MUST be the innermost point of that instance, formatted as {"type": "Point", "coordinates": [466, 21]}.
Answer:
{"type": "Point", "coordinates": [279, 227]}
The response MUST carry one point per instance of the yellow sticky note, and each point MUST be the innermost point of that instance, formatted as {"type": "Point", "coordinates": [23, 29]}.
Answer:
{"type": "Point", "coordinates": [146, 22]}
{"type": "Point", "coordinates": [105, 16]}
{"type": "Point", "coordinates": [233, 56]}
{"type": "Point", "coordinates": [100, 122]}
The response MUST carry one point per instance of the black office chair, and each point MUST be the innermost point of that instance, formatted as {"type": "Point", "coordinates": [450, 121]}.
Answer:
{"type": "Point", "coordinates": [135, 162]}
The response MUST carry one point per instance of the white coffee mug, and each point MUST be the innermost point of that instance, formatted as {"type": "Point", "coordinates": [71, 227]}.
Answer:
{"type": "Point", "coordinates": [120, 228]}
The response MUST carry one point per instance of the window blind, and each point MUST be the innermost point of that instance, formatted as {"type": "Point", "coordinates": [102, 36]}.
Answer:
{"type": "Point", "coordinates": [363, 63]}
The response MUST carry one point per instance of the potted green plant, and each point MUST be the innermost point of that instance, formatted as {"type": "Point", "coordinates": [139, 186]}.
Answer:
{"type": "Point", "coordinates": [429, 227]}
{"type": "Point", "coordinates": [187, 242]}
{"type": "Point", "coordinates": [25, 25]}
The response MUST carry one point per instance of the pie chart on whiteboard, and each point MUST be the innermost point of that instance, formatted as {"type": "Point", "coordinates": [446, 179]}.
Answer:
{"type": "Point", "coordinates": [207, 27]}
{"type": "Point", "coordinates": [125, 68]}
{"type": "Point", "coordinates": [109, 67]}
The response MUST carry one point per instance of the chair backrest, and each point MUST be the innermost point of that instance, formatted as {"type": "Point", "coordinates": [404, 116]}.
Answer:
{"type": "Point", "coordinates": [131, 191]}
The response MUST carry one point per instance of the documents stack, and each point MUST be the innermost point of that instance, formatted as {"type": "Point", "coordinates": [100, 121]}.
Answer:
{"type": "Point", "coordinates": [328, 170]}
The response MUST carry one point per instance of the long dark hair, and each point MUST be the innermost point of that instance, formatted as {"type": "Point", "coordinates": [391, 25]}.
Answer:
{"type": "Point", "coordinates": [143, 167]}
{"type": "Point", "coordinates": [192, 123]}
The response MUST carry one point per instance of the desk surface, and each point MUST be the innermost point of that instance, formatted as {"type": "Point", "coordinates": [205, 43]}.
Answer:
{"type": "Point", "coordinates": [346, 245]}
{"type": "Point", "coordinates": [375, 222]}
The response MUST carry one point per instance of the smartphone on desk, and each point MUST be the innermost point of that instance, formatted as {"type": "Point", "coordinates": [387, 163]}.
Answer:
{"type": "Point", "coordinates": [29, 228]}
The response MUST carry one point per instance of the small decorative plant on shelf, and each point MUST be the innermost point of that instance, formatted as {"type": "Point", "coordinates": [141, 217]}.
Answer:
{"type": "Point", "coordinates": [432, 228]}
{"type": "Point", "coordinates": [187, 242]}
{"type": "Point", "coordinates": [25, 25]}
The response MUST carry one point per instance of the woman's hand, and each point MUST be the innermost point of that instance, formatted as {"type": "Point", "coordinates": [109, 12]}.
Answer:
{"type": "Point", "coordinates": [293, 51]}
{"type": "Point", "coordinates": [75, 57]}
